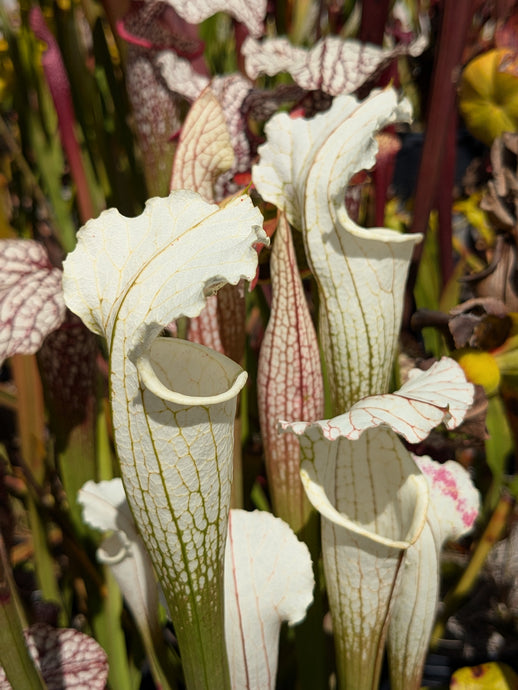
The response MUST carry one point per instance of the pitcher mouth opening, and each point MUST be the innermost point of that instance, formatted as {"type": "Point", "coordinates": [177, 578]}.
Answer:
{"type": "Point", "coordinates": [186, 373]}
{"type": "Point", "coordinates": [327, 510]}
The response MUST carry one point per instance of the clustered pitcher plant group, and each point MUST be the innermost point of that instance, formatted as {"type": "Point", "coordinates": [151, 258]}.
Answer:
{"type": "Point", "coordinates": [165, 291]}
{"type": "Point", "coordinates": [385, 513]}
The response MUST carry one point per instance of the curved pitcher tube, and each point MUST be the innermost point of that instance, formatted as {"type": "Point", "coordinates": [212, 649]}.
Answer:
{"type": "Point", "coordinates": [374, 503]}
{"type": "Point", "coordinates": [173, 402]}
{"type": "Point", "coordinates": [304, 168]}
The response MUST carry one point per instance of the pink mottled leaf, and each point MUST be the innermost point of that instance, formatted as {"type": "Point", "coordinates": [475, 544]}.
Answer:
{"type": "Point", "coordinates": [289, 380]}
{"type": "Point", "coordinates": [155, 76]}
{"type": "Point", "coordinates": [204, 329]}
{"type": "Point", "coordinates": [231, 91]}
{"type": "Point", "coordinates": [440, 394]}
{"type": "Point", "coordinates": [67, 362]}
{"type": "Point", "coordinates": [31, 298]}
{"type": "Point", "coordinates": [204, 150]}
{"type": "Point", "coordinates": [67, 659]}
{"type": "Point", "coordinates": [179, 75]}
{"type": "Point", "coordinates": [249, 13]}
{"type": "Point", "coordinates": [157, 118]}
{"type": "Point", "coordinates": [455, 501]}
{"type": "Point", "coordinates": [232, 320]}
{"type": "Point", "coordinates": [268, 580]}
{"type": "Point", "coordinates": [452, 511]}
{"type": "Point", "coordinates": [333, 65]}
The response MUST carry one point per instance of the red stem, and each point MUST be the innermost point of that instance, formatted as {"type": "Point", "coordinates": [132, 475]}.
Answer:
{"type": "Point", "coordinates": [59, 86]}
{"type": "Point", "coordinates": [374, 18]}
{"type": "Point", "coordinates": [444, 198]}
{"type": "Point", "coordinates": [457, 15]}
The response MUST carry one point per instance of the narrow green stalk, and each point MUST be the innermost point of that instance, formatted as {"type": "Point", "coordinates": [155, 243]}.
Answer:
{"type": "Point", "coordinates": [31, 429]}
{"type": "Point", "coordinates": [109, 634]}
{"type": "Point", "coordinates": [299, 26]}
{"type": "Point", "coordinates": [309, 635]}
{"type": "Point", "coordinates": [237, 499]}
{"type": "Point", "coordinates": [104, 454]}
{"type": "Point", "coordinates": [77, 464]}
{"type": "Point", "coordinates": [14, 655]}
{"type": "Point", "coordinates": [44, 564]}
{"type": "Point", "coordinates": [165, 665]}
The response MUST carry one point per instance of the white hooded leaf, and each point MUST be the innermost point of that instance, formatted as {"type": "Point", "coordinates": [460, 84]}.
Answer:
{"type": "Point", "coordinates": [454, 504]}
{"type": "Point", "coordinates": [304, 169]}
{"type": "Point", "coordinates": [268, 580]}
{"type": "Point", "coordinates": [105, 508]}
{"type": "Point", "coordinates": [173, 402]}
{"type": "Point", "coordinates": [374, 502]}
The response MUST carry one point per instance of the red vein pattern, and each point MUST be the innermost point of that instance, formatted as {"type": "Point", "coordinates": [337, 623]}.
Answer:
{"type": "Point", "coordinates": [440, 394]}
{"type": "Point", "coordinates": [31, 297]}
{"type": "Point", "coordinates": [289, 379]}
{"type": "Point", "coordinates": [333, 65]}
{"type": "Point", "coordinates": [67, 659]}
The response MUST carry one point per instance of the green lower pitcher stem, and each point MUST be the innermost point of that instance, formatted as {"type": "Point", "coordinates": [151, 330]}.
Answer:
{"type": "Point", "coordinates": [201, 639]}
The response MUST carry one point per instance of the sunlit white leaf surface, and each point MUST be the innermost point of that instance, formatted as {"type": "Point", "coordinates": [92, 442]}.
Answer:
{"type": "Point", "coordinates": [304, 169]}
{"type": "Point", "coordinates": [173, 402]}
{"type": "Point", "coordinates": [268, 580]}
{"type": "Point", "coordinates": [454, 505]}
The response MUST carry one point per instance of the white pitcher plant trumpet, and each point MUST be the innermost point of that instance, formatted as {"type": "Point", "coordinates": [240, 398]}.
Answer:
{"type": "Point", "coordinates": [304, 169]}
{"type": "Point", "coordinates": [268, 580]}
{"type": "Point", "coordinates": [375, 505]}
{"type": "Point", "coordinates": [173, 402]}
{"type": "Point", "coordinates": [372, 496]}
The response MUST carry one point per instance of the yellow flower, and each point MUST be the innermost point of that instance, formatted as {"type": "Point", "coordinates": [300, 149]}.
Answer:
{"type": "Point", "coordinates": [488, 96]}
{"type": "Point", "coordinates": [481, 368]}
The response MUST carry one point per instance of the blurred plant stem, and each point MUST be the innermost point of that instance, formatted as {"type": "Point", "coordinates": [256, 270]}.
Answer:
{"type": "Point", "coordinates": [106, 622]}
{"type": "Point", "coordinates": [14, 654]}
{"type": "Point", "coordinates": [493, 532]}
{"type": "Point", "coordinates": [441, 120]}
{"type": "Point", "coordinates": [309, 634]}
{"type": "Point", "coordinates": [31, 430]}
{"type": "Point", "coordinates": [373, 21]}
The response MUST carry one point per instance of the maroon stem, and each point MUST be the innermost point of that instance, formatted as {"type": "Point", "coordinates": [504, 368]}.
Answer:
{"type": "Point", "coordinates": [444, 199]}
{"type": "Point", "coordinates": [374, 18]}
{"type": "Point", "coordinates": [457, 15]}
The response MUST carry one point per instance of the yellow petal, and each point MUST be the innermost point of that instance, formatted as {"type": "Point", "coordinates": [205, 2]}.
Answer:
{"type": "Point", "coordinates": [488, 96]}
{"type": "Point", "coordinates": [490, 676]}
{"type": "Point", "coordinates": [481, 368]}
